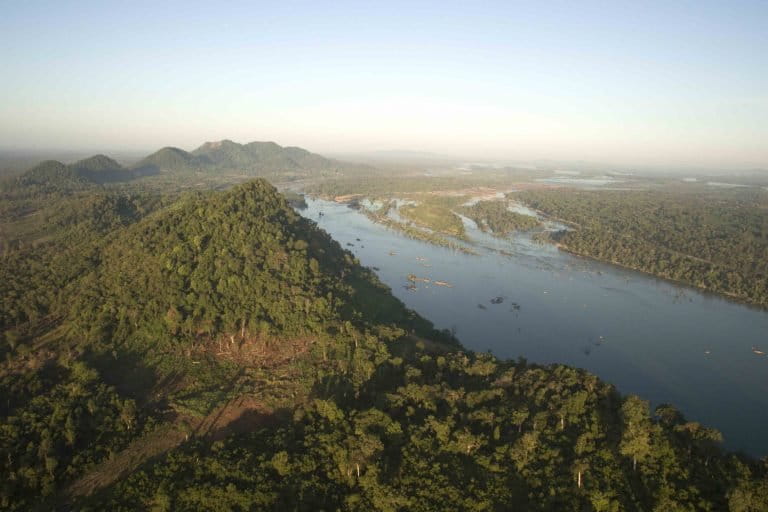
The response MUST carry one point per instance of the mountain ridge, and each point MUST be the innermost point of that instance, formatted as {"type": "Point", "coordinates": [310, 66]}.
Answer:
{"type": "Point", "coordinates": [253, 159]}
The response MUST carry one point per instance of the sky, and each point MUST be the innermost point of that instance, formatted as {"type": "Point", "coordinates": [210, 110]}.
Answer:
{"type": "Point", "coordinates": [669, 83]}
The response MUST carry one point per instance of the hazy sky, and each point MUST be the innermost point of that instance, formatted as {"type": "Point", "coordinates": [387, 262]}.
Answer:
{"type": "Point", "coordinates": [672, 82]}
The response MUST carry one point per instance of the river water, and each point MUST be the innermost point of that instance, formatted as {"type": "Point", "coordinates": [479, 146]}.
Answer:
{"type": "Point", "coordinates": [647, 336]}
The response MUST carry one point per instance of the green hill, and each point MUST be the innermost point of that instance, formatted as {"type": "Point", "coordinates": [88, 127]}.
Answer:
{"type": "Point", "coordinates": [252, 159]}
{"type": "Point", "coordinates": [264, 158]}
{"type": "Point", "coordinates": [53, 176]}
{"type": "Point", "coordinates": [96, 164]}
{"type": "Point", "coordinates": [102, 169]}
{"type": "Point", "coordinates": [50, 174]}
{"type": "Point", "coordinates": [238, 262]}
{"type": "Point", "coordinates": [169, 159]}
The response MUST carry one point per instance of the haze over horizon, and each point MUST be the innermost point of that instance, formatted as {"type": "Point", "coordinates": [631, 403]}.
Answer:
{"type": "Point", "coordinates": [636, 83]}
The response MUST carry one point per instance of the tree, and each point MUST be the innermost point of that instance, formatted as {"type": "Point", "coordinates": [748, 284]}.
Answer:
{"type": "Point", "coordinates": [585, 446]}
{"type": "Point", "coordinates": [636, 436]}
{"type": "Point", "coordinates": [518, 417]}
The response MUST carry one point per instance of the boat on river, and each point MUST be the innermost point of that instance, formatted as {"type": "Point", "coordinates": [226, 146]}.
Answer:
{"type": "Point", "coordinates": [416, 279]}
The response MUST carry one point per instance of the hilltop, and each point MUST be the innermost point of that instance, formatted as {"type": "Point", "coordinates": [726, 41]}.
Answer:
{"type": "Point", "coordinates": [170, 159]}
{"type": "Point", "coordinates": [252, 159]}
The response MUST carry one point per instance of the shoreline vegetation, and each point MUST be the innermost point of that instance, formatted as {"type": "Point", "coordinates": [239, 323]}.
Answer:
{"type": "Point", "coordinates": [433, 219]}
{"type": "Point", "coordinates": [659, 235]}
{"type": "Point", "coordinates": [381, 217]}
{"type": "Point", "coordinates": [656, 233]}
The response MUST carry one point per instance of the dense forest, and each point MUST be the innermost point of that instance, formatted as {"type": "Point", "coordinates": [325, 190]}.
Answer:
{"type": "Point", "coordinates": [431, 430]}
{"type": "Point", "coordinates": [717, 242]}
{"type": "Point", "coordinates": [217, 351]}
{"type": "Point", "coordinates": [495, 216]}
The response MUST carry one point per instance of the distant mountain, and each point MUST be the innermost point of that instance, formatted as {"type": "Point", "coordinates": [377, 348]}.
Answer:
{"type": "Point", "coordinates": [252, 159]}
{"type": "Point", "coordinates": [95, 164]}
{"type": "Point", "coordinates": [50, 173]}
{"type": "Point", "coordinates": [170, 159]}
{"type": "Point", "coordinates": [54, 175]}
{"type": "Point", "coordinates": [101, 169]}
{"type": "Point", "coordinates": [261, 156]}
{"type": "Point", "coordinates": [263, 159]}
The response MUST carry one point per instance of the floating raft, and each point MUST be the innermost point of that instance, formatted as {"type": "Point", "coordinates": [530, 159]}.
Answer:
{"type": "Point", "coordinates": [414, 278]}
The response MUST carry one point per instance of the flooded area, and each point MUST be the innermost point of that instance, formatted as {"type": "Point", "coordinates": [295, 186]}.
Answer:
{"type": "Point", "coordinates": [520, 298]}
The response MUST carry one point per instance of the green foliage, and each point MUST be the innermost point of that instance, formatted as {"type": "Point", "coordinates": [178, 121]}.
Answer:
{"type": "Point", "coordinates": [58, 422]}
{"type": "Point", "coordinates": [445, 432]}
{"type": "Point", "coordinates": [170, 159]}
{"type": "Point", "coordinates": [717, 243]}
{"type": "Point", "coordinates": [496, 217]}
{"type": "Point", "coordinates": [436, 214]}
{"type": "Point", "coordinates": [381, 217]}
{"type": "Point", "coordinates": [48, 176]}
{"type": "Point", "coordinates": [221, 263]}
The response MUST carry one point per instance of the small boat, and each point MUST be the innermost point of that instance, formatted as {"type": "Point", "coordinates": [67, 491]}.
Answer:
{"type": "Point", "coordinates": [443, 283]}
{"type": "Point", "coordinates": [392, 253]}
{"type": "Point", "coordinates": [757, 351]}
{"type": "Point", "coordinates": [707, 352]}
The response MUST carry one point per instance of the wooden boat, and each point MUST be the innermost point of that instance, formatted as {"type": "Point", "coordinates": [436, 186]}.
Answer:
{"type": "Point", "coordinates": [443, 283]}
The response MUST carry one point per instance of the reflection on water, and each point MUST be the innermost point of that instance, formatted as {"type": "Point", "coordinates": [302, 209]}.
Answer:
{"type": "Point", "coordinates": [520, 298]}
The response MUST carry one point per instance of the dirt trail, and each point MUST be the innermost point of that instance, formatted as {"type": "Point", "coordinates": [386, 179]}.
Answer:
{"type": "Point", "coordinates": [240, 414]}
{"type": "Point", "coordinates": [121, 464]}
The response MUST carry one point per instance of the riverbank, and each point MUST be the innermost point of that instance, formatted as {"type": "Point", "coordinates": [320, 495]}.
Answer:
{"type": "Point", "coordinates": [644, 334]}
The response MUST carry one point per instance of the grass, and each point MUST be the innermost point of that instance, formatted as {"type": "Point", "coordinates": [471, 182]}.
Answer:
{"type": "Point", "coordinates": [436, 213]}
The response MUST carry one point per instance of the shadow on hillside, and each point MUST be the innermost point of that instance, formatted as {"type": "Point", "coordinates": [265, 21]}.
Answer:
{"type": "Point", "coordinates": [128, 374]}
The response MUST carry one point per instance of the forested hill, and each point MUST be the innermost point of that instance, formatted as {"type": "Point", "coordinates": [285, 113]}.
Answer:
{"type": "Point", "coordinates": [217, 351]}
{"type": "Point", "coordinates": [223, 159]}
{"type": "Point", "coordinates": [54, 176]}
{"type": "Point", "coordinates": [252, 159]}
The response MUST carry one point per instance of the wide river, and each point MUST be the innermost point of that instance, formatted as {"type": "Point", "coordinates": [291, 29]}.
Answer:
{"type": "Point", "coordinates": [647, 336]}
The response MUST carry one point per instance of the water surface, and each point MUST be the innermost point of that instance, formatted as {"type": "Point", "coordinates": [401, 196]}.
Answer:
{"type": "Point", "coordinates": [647, 336]}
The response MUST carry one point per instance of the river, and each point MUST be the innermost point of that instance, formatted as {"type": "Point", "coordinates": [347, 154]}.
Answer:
{"type": "Point", "coordinates": [646, 336]}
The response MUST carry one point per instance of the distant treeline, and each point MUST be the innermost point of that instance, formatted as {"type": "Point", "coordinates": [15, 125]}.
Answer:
{"type": "Point", "coordinates": [715, 242]}
{"type": "Point", "coordinates": [495, 216]}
